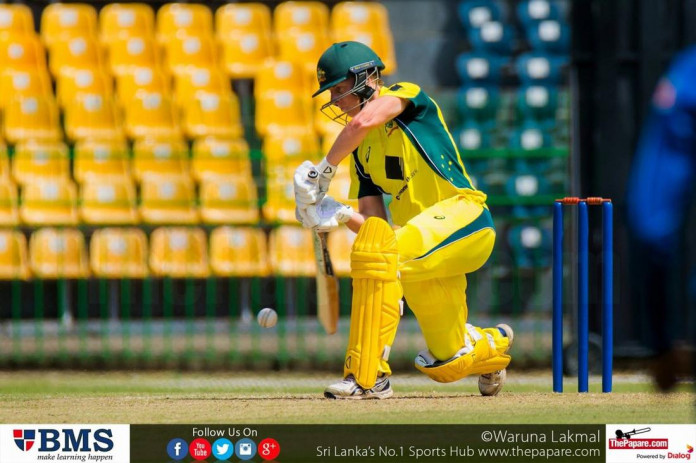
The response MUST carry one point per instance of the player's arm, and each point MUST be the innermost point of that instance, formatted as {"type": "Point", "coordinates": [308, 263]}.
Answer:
{"type": "Point", "coordinates": [369, 206]}
{"type": "Point", "coordinates": [374, 113]}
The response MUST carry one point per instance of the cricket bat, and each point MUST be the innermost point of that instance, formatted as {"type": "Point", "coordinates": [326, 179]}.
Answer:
{"type": "Point", "coordinates": [327, 285]}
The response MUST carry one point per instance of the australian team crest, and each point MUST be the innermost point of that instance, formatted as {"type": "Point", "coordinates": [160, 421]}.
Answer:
{"type": "Point", "coordinates": [24, 438]}
{"type": "Point", "coordinates": [321, 75]}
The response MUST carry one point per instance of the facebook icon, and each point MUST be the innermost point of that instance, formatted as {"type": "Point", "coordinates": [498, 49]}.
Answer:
{"type": "Point", "coordinates": [177, 449]}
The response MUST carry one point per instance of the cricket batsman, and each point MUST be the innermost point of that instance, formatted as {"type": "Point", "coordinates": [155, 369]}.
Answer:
{"type": "Point", "coordinates": [399, 144]}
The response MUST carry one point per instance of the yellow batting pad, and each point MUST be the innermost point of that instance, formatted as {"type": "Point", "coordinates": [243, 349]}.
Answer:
{"type": "Point", "coordinates": [375, 310]}
{"type": "Point", "coordinates": [485, 356]}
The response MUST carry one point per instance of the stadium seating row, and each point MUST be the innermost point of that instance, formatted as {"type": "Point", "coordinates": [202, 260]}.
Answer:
{"type": "Point", "coordinates": [532, 68]}
{"type": "Point", "coordinates": [162, 199]}
{"type": "Point", "coordinates": [175, 252]}
{"type": "Point", "coordinates": [241, 36]}
{"type": "Point", "coordinates": [542, 25]}
{"type": "Point", "coordinates": [179, 252]}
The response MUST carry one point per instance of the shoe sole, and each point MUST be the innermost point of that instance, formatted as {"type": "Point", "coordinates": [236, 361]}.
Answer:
{"type": "Point", "coordinates": [503, 374]}
{"type": "Point", "coordinates": [373, 396]}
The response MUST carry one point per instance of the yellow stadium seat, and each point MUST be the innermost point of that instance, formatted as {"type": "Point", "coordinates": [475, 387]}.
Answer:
{"type": "Point", "coordinates": [244, 33]}
{"type": "Point", "coordinates": [32, 118]}
{"type": "Point", "coordinates": [168, 200]}
{"type": "Point", "coordinates": [228, 199]}
{"type": "Point", "coordinates": [219, 156]}
{"type": "Point", "coordinates": [50, 202]}
{"type": "Point", "coordinates": [280, 196]}
{"type": "Point", "coordinates": [303, 47]}
{"type": "Point", "coordinates": [283, 146]}
{"type": "Point", "coordinates": [74, 81]}
{"type": "Point", "coordinates": [117, 20]}
{"type": "Point", "coordinates": [291, 251]}
{"type": "Point", "coordinates": [58, 253]}
{"type": "Point", "coordinates": [23, 84]}
{"type": "Point", "coordinates": [9, 212]}
{"type": "Point", "coordinates": [301, 15]}
{"type": "Point", "coordinates": [141, 79]}
{"type": "Point", "coordinates": [238, 252]}
{"type": "Point", "coordinates": [242, 17]}
{"type": "Point", "coordinates": [184, 51]}
{"type": "Point", "coordinates": [92, 116]}
{"type": "Point", "coordinates": [128, 52]}
{"type": "Point", "coordinates": [60, 20]}
{"type": "Point", "coordinates": [179, 252]}
{"type": "Point", "coordinates": [13, 254]}
{"type": "Point", "coordinates": [192, 18]}
{"type": "Point", "coordinates": [212, 115]}
{"type": "Point", "coordinates": [118, 253]}
{"type": "Point", "coordinates": [150, 115]}
{"type": "Point", "coordinates": [371, 15]}
{"type": "Point", "coordinates": [193, 80]}
{"type": "Point", "coordinates": [287, 76]}
{"type": "Point", "coordinates": [16, 19]}
{"type": "Point", "coordinates": [243, 53]}
{"type": "Point", "coordinates": [101, 158]}
{"type": "Point", "coordinates": [282, 110]}
{"type": "Point", "coordinates": [106, 201]}
{"type": "Point", "coordinates": [340, 243]}
{"type": "Point", "coordinates": [379, 40]}
{"type": "Point", "coordinates": [22, 52]}
{"type": "Point", "coordinates": [159, 157]}
{"type": "Point", "coordinates": [78, 52]}
{"type": "Point", "coordinates": [35, 161]}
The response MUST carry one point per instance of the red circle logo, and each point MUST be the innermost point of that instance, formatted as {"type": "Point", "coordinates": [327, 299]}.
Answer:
{"type": "Point", "coordinates": [200, 449]}
{"type": "Point", "coordinates": [269, 449]}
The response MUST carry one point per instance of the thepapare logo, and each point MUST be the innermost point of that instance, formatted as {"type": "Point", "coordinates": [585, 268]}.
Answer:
{"type": "Point", "coordinates": [24, 438]}
{"type": "Point", "coordinates": [72, 440]}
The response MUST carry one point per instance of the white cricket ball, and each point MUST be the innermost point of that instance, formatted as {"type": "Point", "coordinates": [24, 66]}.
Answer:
{"type": "Point", "coordinates": [267, 317]}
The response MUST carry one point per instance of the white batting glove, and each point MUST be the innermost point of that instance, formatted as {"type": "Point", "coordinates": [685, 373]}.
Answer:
{"type": "Point", "coordinates": [326, 173]}
{"type": "Point", "coordinates": [332, 214]}
{"type": "Point", "coordinates": [306, 187]}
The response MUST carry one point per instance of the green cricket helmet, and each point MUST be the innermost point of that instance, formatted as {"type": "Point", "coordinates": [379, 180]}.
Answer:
{"type": "Point", "coordinates": [344, 59]}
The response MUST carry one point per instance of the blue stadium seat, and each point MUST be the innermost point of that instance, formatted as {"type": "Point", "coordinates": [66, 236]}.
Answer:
{"type": "Point", "coordinates": [493, 37]}
{"type": "Point", "coordinates": [527, 185]}
{"type": "Point", "coordinates": [540, 68]}
{"type": "Point", "coordinates": [530, 137]}
{"type": "Point", "coordinates": [533, 11]}
{"type": "Point", "coordinates": [530, 246]}
{"type": "Point", "coordinates": [470, 136]}
{"type": "Point", "coordinates": [480, 68]}
{"type": "Point", "coordinates": [538, 103]}
{"type": "Point", "coordinates": [480, 103]}
{"type": "Point", "coordinates": [475, 13]}
{"type": "Point", "coordinates": [550, 35]}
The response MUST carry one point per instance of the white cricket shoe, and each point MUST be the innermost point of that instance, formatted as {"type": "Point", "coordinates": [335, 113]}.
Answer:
{"type": "Point", "coordinates": [348, 388]}
{"type": "Point", "coordinates": [492, 383]}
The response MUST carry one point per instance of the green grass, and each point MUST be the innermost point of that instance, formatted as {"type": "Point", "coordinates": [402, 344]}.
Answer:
{"type": "Point", "coordinates": [241, 397]}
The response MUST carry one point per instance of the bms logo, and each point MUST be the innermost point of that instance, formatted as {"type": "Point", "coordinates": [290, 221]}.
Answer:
{"type": "Point", "coordinates": [65, 440]}
{"type": "Point", "coordinates": [24, 438]}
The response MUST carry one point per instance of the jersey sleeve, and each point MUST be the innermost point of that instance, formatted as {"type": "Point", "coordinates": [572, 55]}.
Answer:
{"type": "Point", "coordinates": [420, 102]}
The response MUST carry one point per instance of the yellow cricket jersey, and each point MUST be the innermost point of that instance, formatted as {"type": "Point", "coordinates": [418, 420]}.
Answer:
{"type": "Point", "coordinates": [413, 158]}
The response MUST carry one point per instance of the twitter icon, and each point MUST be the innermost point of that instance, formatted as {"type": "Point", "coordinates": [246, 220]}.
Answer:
{"type": "Point", "coordinates": [223, 449]}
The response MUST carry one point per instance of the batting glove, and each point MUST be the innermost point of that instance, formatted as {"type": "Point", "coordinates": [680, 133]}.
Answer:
{"type": "Point", "coordinates": [331, 214]}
